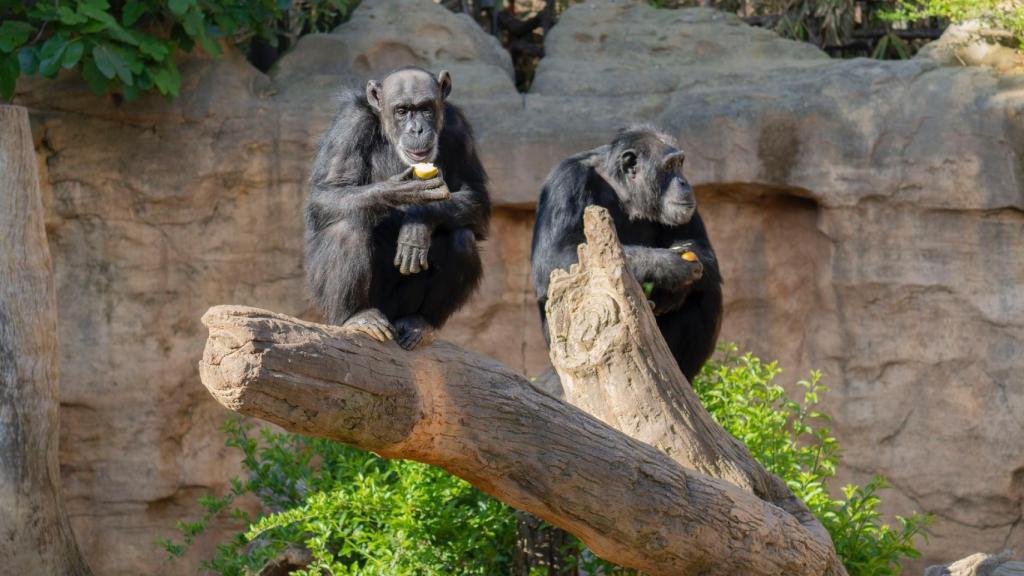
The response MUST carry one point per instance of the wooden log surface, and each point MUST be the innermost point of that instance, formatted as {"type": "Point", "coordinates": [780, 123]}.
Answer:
{"type": "Point", "coordinates": [35, 536]}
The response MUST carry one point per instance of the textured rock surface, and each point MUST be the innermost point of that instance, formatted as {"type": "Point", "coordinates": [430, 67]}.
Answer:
{"type": "Point", "coordinates": [868, 217]}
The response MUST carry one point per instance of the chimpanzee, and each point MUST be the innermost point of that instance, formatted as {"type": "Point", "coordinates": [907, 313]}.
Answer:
{"type": "Point", "coordinates": [638, 178]}
{"type": "Point", "coordinates": [387, 254]}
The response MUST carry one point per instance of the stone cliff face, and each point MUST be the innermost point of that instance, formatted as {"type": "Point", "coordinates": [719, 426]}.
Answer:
{"type": "Point", "coordinates": [868, 216]}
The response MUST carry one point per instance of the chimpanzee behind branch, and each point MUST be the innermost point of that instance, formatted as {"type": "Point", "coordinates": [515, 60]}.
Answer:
{"type": "Point", "coordinates": [387, 254]}
{"type": "Point", "coordinates": [638, 178]}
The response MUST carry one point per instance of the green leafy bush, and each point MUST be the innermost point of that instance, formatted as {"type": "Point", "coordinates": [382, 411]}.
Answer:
{"type": "Point", "coordinates": [130, 47]}
{"type": "Point", "coordinates": [361, 515]}
{"type": "Point", "coordinates": [791, 440]}
{"type": "Point", "coordinates": [997, 14]}
{"type": "Point", "coordinates": [357, 514]}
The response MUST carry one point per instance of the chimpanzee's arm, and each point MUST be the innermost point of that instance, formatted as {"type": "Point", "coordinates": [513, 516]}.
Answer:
{"type": "Point", "coordinates": [469, 205]}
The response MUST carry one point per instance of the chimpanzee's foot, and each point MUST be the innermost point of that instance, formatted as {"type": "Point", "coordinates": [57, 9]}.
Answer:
{"type": "Point", "coordinates": [412, 331]}
{"type": "Point", "coordinates": [371, 322]}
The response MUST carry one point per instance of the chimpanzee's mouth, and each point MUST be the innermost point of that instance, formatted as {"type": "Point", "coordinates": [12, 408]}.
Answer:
{"type": "Point", "coordinates": [419, 155]}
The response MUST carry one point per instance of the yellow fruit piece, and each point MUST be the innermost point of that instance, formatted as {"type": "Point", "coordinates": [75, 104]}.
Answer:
{"type": "Point", "coordinates": [424, 170]}
{"type": "Point", "coordinates": [689, 256]}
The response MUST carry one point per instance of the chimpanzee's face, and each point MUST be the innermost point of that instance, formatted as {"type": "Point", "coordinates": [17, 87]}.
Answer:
{"type": "Point", "coordinates": [652, 174]}
{"type": "Point", "coordinates": [410, 103]}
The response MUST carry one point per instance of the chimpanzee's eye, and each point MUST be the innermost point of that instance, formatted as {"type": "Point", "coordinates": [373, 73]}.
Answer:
{"type": "Point", "coordinates": [401, 111]}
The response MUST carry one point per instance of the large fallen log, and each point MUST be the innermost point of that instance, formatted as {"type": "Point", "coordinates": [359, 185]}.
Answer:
{"type": "Point", "coordinates": [629, 502]}
{"type": "Point", "coordinates": [35, 536]}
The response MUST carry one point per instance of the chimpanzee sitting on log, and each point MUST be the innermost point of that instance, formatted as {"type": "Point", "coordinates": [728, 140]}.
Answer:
{"type": "Point", "coordinates": [388, 254]}
{"type": "Point", "coordinates": [638, 178]}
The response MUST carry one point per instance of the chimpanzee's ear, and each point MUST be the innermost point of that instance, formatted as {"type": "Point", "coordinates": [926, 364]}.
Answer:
{"type": "Point", "coordinates": [444, 82]}
{"type": "Point", "coordinates": [627, 161]}
{"type": "Point", "coordinates": [373, 95]}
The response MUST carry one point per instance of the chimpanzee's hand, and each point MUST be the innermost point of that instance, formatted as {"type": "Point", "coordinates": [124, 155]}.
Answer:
{"type": "Point", "coordinates": [371, 322]}
{"type": "Point", "coordinates": [413, 245]}
{"type": "Point", "coordinates": [404, 188]}
{"type": "Point", "coordinates": [689, 260]}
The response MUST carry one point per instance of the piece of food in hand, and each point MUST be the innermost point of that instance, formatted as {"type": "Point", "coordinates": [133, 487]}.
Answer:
{"type": "Point", "coordinates": [424, 170]}
{"type": "Point", "coordinates": [648, 288]}
{"type": "Point", "coordinates": [688, 256]}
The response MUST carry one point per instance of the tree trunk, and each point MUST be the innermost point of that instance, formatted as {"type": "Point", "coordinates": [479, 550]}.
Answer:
{"type": "Point", "coordinates": [35, 537]}
{"type": "Point", "coordinates": [629, 502]}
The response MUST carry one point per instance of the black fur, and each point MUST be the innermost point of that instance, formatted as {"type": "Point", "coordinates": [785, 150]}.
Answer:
{"type": "Point", "coordinates": [352, 226]}
{"type": "Point", "coordinates": [688, 296]}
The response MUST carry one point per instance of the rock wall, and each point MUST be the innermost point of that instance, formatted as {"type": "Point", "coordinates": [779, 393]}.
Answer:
{"type": "Point", "coordinates": [868, 217]}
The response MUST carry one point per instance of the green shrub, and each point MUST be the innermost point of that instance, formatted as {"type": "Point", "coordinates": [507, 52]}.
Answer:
{"type": "Point", "coordinates": [362, 515]}
{"type": "Point", "coordinates": [997, 14]}
{"type": "Point", "coordinates": [791, 440]}
{"type": "Point", "coordinates": [130, 47]}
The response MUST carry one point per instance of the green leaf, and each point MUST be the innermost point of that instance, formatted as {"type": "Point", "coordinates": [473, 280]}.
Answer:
{"type": "Point", "coordinates": [94, 77]}
{"type": "Point", "coordinates": [168, 79]}
{"type": "Point", "coordinates": [90, 27]}
{"type": "Point", "coordinates": [13, 34]}
{"type": "Point", "coordinates": [193, 24]}
{"type": "Point", "coordinates": [178, 7]}
{"type": "Point", "coordinates": [28, 58]}
{"type": "Point", "coordinates": [70, 17]}
{"type": "Point", "coordinates": [98, 14]}
{"type": "Point", "coordinates": [132, 11]}
{"type": "Point", "coordinates": [51, 54]}
{"type": "Point", "coordinates": [72, 54]}
{"type": "Point", "coordinates": [111, 64]}
{"type": "Point", "coordinates": [152, 47]}
{"type": "Point", "coordinates": [9, 72]}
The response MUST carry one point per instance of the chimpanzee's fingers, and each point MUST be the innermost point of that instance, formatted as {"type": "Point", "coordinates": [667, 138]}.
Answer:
{"type": "Point", "coordinates": [414, 261]}
{"type": "Point", "coordinates": [406, 260]}
{"type": "Point", "coordinates": [364, 329]}
{"type": "Point", "coordinates": [423, 258]}
{"type": "Point", "coordinates": [417, 184]}
{"type": "Point", "coordinates": [377, 333]}
{"type": "Point", "coordinates": [398, 255]}
{"type": "Point", "coordinates": [389, 330]}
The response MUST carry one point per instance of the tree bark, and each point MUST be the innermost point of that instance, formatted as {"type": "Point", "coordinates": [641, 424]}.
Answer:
{"type": "Point", "coordinates": [629, 502]}
{"type": "Point", "coordinates": [35, 536]}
